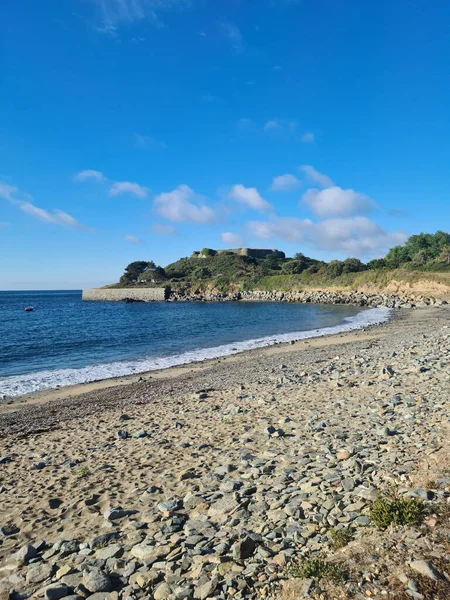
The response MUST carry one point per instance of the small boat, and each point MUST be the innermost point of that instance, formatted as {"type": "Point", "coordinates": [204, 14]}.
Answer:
{"type": "Point", "coordinates": [29, 309]}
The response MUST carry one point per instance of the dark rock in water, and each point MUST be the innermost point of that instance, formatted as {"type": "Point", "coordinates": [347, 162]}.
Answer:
{"type": "Point", "coordinates": [131, 300]}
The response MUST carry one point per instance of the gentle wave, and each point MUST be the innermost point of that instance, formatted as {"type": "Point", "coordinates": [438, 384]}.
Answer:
{"type": "Point", "coordinates": [20, 385]}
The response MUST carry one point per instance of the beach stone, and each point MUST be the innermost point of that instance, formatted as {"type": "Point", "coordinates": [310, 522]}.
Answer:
{"type": "Point", "coordinates": [118, 513]}
{"type": "Point", "coordinates": [112, 551]}
{"type": "Point", "coordinates": [424, 567]}
{"type": "Point", "coordinates": [244, 548]}
{"type": "Point", "coordinates": [25, 554]}
{"type": "Point", "coordinates": [39, 573]}
{"type": "Point", "coordinates": [162, 592]}
{"type": "Point", "coordinates": [97, 580]}
{"type": "Point", "coordinates": [56, 591]}
{"type": "Point", "coordinates": [169, 506]}
{"type": "Point", "coordinates": [206, 590]}
{"type": "Point", "coordinates": [123, 434]}
{"type": "Point", "coordinates": [7, 530]}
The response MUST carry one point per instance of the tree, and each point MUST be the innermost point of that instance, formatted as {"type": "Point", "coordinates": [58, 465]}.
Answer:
{"type": "Point", "coordinates": [421, 258]}
{"type": "Point", "coordinates": [335, 268]}
{"type": "Point", "coordinates": [296, 265]}
{"type": "Point", "coordinates": [133, 270]}
{"type": "Point", "coordinates": [353, 265]}
{"type": "Point", "coordinates": [272, 262]}
{"type": "Point", "coordinates": [376, 263]}
{"type": "Point", "coordinates": [444, 256]}
{"type": "Point", "coordinates": [299, 256]}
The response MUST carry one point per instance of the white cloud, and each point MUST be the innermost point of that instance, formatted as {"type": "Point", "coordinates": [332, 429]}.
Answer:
{"type": "Point", "coordinates": [246, 125]}
{"type": "Point", "coordinates": [7, 191]}
{"type": "Point", "coordinates": [250, 197]}
{"type": "Point", "coordinates": [24, 202]}
{"type": "Point", "coordinates": [114, 12]}
{"type": "Point", "coordinates": [128, 187]}
{"type": "Point", "coordinates": [162, 229]}
{"type": "Point", "coordinates": [284, 183]}
{"type": "Point", "coordinates": [89, 174]}
{"type": "Point", "coordinates": [182, 204]}
{"type": "Point", "coordinates": [234, 36]}
{"type": "Point", "coordinates": [57, 217]}
{"type": "Point", "coordinates": [281, 126]}
{"type": "Point", "coordinates": [355, 236]}
{"type": "Point", "coordinates": [232, 239]}
{"type": "Point", "coordinates": [146, 141]}
{"type": "Point", "coordinates": [308, 137]}
{"type": "Point", "coordinates": [316, 177]}
{"type": "Point", "coordinates": [336, 202]}
{"type": "Point", "coordinates": [131, 239]}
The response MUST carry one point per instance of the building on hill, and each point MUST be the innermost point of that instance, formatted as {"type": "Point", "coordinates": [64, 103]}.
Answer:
{"type": "Point", "coordinates": [252, 252]}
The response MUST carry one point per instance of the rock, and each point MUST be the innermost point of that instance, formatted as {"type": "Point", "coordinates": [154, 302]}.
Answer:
{"type": "Point", "coordinates": [206, 590]}
{"type": "Point", "coordinates": [7, 530]}
{"type": "Point", "coordinates": [147, 553]}
{"type": "Point", "coordinates": [112, 551]}
{"type": "Point", "coordinates": [169, 506]}
{"type": "Point", "coordinates": [162, 592]}
{"type": "Point", "coordinates": [424, 567]}
{"type": "Point", "coordinates": [244, 548]}
{"type": "Point", "coordinates": [39, 573]}
{"type": "Point", "coordinates": [97, 580]}
{"type": "Point", "coordinates": [118, 513]}
{"type": "Point", "coordinates": [25, 554]}
{"type": "Point", "coordinates": [123, 434]}
{"type": "Point", "coordinates": [39, 465]}
{"type": "Point", "coordinates": [56, 591]}
{"type": "Point", "coordinates": [343, 455]}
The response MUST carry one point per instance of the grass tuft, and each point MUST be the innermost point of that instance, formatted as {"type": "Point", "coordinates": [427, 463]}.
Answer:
{"type": "Point", "coordinates": [339, 538]}
{"type": "Point", "coordinates": [82, 472]}
{"type": "Point", "coordinates": [318, 568]}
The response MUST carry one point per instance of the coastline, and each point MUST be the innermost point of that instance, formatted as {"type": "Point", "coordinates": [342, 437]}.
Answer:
{"type": "Point", "coordinates": [309, 339]}
{"type": "Point", "coordinates": [219, 476]}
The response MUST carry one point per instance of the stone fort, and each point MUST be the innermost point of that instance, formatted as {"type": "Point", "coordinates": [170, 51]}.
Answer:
{"type": "Point", "coordinates": [253, 252]}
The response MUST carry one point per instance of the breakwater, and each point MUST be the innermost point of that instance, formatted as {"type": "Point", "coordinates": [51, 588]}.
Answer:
{"type": "Point", "coordinates": [124, 294]}
{"type": "Point", "coordinates": [317, 297]}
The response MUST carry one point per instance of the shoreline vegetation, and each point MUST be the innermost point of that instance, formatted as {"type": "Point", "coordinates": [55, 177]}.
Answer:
{"type": "Point", "coordinates": [316, 468]}
{"type": "Point", "coordinates": [416, 274]}
{"type": "Point", "coordinates": [423, 259]}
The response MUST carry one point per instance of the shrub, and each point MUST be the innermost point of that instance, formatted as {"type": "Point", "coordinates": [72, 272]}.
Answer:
{"type": "Point", "coordinates": [340, 538]}
{"type": "Point", "coordinates": [319, 568]}
{"type": "Point", "coordinates": [391, 509]}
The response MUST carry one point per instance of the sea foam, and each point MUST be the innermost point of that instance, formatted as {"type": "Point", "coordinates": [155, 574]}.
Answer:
{"type": "Point", "coordinates": [19, 385]}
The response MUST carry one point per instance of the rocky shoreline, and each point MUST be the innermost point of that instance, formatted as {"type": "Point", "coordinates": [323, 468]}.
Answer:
{"type": "Point", "coordinates": [354, 298]}
{"type": "Point", "coordinates": [230, 482]}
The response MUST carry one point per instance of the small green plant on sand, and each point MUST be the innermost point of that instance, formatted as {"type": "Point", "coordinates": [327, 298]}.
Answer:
{"type": "Point", "coordinates": [339, 538]}
{"type": "Point", "coordinates": [319, 568]}
{"type": "Point", "coordinates": [82, 472]}
{"type": "Point", "coordinates": [392, 509]}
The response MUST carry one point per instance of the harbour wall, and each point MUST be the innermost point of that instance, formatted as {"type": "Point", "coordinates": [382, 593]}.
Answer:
{"type": "Point", "coordinates": [123, 294]}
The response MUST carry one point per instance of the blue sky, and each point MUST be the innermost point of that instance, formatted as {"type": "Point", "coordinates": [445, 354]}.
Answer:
{"type": "Point", "coordinates": [146, 129]}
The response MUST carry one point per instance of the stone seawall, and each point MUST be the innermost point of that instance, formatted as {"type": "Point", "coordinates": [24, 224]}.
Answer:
{"type": "Point", "coordinates": [124, 294]}
{"type": "Point", "coordinates": [346, 297]}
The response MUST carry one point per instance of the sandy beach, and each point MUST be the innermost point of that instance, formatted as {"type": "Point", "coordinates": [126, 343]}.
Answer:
{"type": "Point", "coordinates": [213, 479]}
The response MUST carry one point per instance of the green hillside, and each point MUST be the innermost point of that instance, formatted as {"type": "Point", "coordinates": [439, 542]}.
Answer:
{"type": "Point", "coordinates": [423, 253]}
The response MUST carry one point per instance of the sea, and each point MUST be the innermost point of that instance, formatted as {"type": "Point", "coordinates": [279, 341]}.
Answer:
{"type": "Point", "coordinates": [66, 341]}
